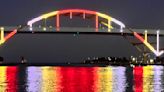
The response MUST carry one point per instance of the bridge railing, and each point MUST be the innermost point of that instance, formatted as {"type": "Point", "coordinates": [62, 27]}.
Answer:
{"type": "Point", "coordinates": [81, 29]}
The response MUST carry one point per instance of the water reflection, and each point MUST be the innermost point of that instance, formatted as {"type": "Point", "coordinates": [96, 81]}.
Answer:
{"type": "Point", "coordinates": [22, 79]}
{"type": "Point", "coordinates": [158, 73]}
{"type": "Point", "coordinates": [105, 79]}
{"type": "Point", "coordinates": [138, 81]}
{"type": "Point", "coordinates": [8, 79]}
{"type": "Point", "coordinates": [49, 79]}
{"type": "Point", "coordinates": [119, 79]}
{"type": "Point", "coordinates": [11, 74]}
{"type": "Point", "coordinates": [34, 79]}
{"type": "Point", "coordinates": [81, 79]}
{"type": "Point", "coordinates": [2, 79]}
{"type": "Point", "coordinates": [148, 76]}
{"type": "Point", "coordinates": [78, 79]}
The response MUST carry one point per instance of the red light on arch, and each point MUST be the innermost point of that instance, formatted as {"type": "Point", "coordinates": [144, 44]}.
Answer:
{"type": "Point", "coordinates": [76, 11]}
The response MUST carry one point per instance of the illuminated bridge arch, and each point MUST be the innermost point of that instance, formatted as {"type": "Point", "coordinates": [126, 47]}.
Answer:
{"type": "Point", "coordinates": [83, 13]}
{"type": "Point", "coordinates": [71, 13]}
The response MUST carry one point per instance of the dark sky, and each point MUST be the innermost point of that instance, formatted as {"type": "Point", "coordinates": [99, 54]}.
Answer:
{"type": "Point", "coordinates": [134, 13]}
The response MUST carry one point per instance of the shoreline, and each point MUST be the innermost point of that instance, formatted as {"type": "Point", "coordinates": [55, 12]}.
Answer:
{"type": "Point", "coordinates": [73, 64]}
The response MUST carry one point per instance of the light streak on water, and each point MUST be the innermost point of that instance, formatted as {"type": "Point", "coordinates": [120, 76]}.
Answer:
{"type": "Point", "coordinates": [81, 79]}
{"type": "Point", "coordinates": [34, 79]}
{"type": "Point", "coordinates": [158, 73]}
{"type": "Point", "coordinates": [119, 79]}
{"type": "Point", "coordinates": [105, 79]}
{"type": "Point", "coordinates": [148, 76]}
{"type": "Point", "coordinates": [3, 79]}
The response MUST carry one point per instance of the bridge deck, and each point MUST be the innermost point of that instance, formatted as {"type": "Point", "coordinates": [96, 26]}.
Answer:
{"type": "Point", "coordinates": [82, 29]}
{"type": "Point", "coordinates": [94, 33]}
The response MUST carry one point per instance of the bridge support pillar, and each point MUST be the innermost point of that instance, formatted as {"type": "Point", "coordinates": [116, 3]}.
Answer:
{"type": "Point", "coordinates": [97, 23]}
{"type": "Point", "coordinates": [146, 35]}
{"type": "Point", "coordinates": [83, 15]}
{"type": "Point", "coordinates": [57, 22]}
{"type": "Point", "coordinates": [70, 15]}
{"type": "Point", "coordinates": [158, 41]}
{"type": "Point", "coordinates": [109, 25]}
{"type": "Point", "coordinates": [2, 35]}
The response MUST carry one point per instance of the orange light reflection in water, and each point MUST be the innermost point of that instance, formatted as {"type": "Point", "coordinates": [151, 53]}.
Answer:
{"type": "Point", "coordinates": [82, 79]}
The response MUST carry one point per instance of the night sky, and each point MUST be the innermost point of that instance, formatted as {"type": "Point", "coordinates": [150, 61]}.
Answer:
{"type": "Point", "coordinates": [134, 13]}
{"type": "Point", "coordinates": [144, 14]}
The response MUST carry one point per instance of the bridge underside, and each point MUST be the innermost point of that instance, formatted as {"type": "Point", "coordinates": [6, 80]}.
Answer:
{"type": "Point", "coordinates": [87, 31]}
{"type": "Point", "coordinates": [60, 48]}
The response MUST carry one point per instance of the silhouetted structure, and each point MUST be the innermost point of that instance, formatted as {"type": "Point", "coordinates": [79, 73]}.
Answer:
{"type": "Point", "coordinates": [1, 59]}
{"type": "Point", "coordinates": [23, 60]}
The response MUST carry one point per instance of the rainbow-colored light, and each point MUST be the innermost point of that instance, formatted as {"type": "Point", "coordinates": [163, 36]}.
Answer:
{"type": "Point", "coordinates": [70, 11]}
{"type": "Point", "coordinates": [108, 23]}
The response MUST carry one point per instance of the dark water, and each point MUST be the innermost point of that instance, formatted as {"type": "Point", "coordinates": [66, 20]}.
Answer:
{"type": "Point", "coordinates": [81, 79]}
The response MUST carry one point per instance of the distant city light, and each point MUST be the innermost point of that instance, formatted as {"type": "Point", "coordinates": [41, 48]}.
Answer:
{"type": "Point", "coordinates": [133, 59]}
{"type": "Point", "coordinates": [151, 61]}
{"type": "Point", "coordinates": [44, 28]}
{"type": "Point", "coordinates": [1, 28]}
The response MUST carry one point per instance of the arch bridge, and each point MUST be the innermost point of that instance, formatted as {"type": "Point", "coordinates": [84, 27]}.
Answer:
{"type": "Point", "coordinates": [107, 20]}
{"type": "Point", "coordinates": [98, 17]}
